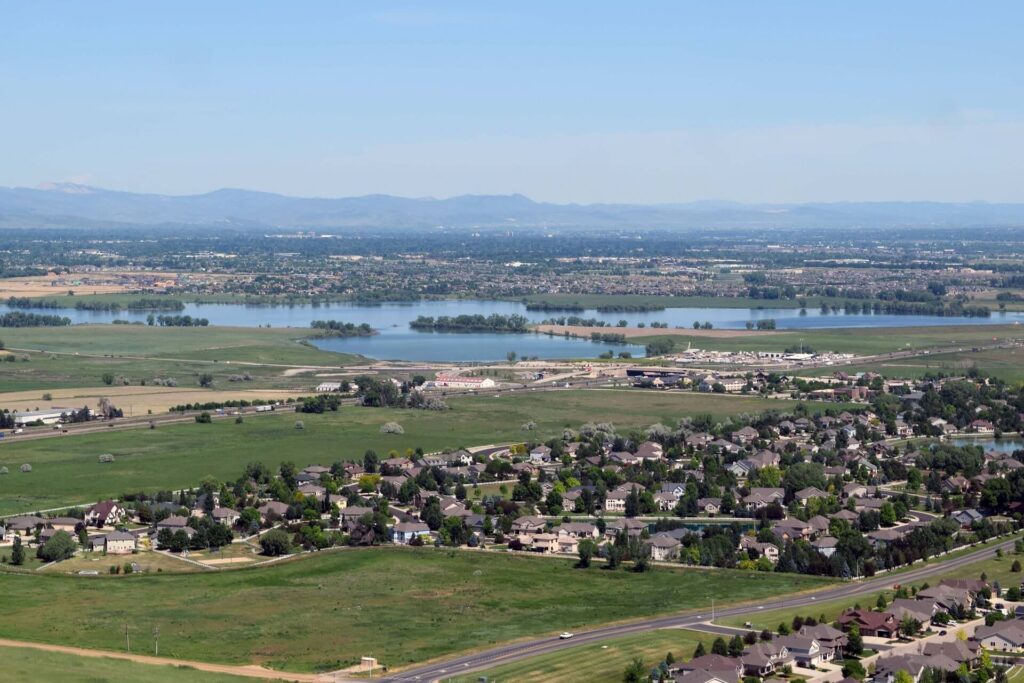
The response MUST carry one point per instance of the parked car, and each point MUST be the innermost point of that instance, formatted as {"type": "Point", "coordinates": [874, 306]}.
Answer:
{"type": "Point", "coordinates": [565, 635]}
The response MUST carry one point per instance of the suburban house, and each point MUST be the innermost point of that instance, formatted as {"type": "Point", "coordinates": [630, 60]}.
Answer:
{"type": "Point", "coordinates": [105, 513]}
{"type": "Point", "coordinates": [718, 666]}
{"type": "Point", "coordinates": [1003, 636]}
{"type": "Point", "coordinates": [664, 548]}
{"type": "Point", "coordinates": [831, 640]}
{"type": "Point", "coordinates": [405, 532]}
{"type": "Point", "coordinates": [880, 624]}
{"type": "Point", "coordinates": [540, 454]}
{"type": "Point", "coordinates": [764, 657]}
{"type": "Point", "coordinates": [711, 506]}
{"type": "Point", "coordinates": [273, 508]}
{"type": "Point", "coordinates": [528, 524]}
{"type": "Point", "coordinates": [578, 530]}
{"type": "Point", "coordinates": [119, 543]}
{"type": "Point", "coordinates": [805, 651]}
{"type": "Point", "coordinates": [225, 516]}
{"type": "Point", "coordinates": [804, 496]}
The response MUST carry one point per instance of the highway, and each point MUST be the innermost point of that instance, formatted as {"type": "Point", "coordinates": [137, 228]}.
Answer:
{"type": "Point", "coordinates": [505, 654]}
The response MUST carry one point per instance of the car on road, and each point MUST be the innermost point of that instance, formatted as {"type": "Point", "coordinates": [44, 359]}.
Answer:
{"type": "Point", "coordinates": [942, 632]}
{"type": "Point", "coordinates": [565, 635]}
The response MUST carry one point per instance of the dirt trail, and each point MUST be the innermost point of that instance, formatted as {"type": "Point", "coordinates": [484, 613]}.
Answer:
{"type": "Point", "coordinates": [250, 671]}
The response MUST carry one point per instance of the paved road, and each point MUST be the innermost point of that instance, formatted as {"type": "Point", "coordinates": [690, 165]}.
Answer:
{"type": "Point", "coordinates": [458, 666]}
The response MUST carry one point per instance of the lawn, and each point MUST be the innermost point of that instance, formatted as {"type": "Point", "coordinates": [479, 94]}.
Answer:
{"type": "Point", "coordinates": [863, 341]}
{"type": "Point", "coordinates": [323, 612]}
{"type": "Point", "coordinates": [603, 663]}
{"type": "Point", "coordinates": [144, 352]}
{"type": "Point", "coordinates": [66, 470]}
{"type": "Point", "coordinates": [26, 665]}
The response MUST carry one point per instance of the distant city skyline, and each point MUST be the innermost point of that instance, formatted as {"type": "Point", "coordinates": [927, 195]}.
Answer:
{"type": "Point", "coordinates": [587, 102]}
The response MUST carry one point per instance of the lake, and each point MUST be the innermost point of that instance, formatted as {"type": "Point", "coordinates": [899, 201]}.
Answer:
{"type": "Point", "coordinates": [397, 341]}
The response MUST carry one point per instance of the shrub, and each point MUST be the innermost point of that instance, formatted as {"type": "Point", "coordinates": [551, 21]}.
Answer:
{"type": "Point", "coordinates": [275, 542]}
{"type": "Point", "coordinates": [106, 457]}
{"type": "Point", "coordinates": [204, 418]}
{"type": "Point", "coordinates": [26, 468]}
{"type": "Point", "coordinates": [299, 424]}
{"type": "Point", "coordinates": [391, 428]}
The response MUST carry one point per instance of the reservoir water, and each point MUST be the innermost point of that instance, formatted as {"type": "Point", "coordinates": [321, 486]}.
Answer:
{"type": "Point", "coordinates": [397, 341]}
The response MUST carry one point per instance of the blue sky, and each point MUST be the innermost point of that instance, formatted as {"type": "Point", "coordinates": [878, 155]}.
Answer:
{"type": "Point", "coordinates": [561, 101]}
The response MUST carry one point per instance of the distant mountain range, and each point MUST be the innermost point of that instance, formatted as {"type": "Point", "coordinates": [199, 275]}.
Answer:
{"type": "Point", "coordinates": [70, 206]}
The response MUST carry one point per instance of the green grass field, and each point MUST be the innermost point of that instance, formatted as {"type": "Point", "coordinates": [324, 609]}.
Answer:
{"type": "Point", "coordinates": [602, 663]}
{"type": "Point", "coordinates": [66, 470]}
{"type": "Point", "coordinates": [79, 355]}
{"type": "Point", "coordinates": [26, 665]}
{"type": "Point", "coordinates": [861, 341]}
{"type": "Point", "coordinates": [324, 612]}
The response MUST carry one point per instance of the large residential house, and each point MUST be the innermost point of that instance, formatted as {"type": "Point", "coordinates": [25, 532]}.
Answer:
{"type": "Point", "coordinates": [105, 513]}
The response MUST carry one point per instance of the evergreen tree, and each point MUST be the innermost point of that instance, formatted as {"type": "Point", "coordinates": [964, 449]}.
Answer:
{"type": "Point", "coordinates": [17, 552]}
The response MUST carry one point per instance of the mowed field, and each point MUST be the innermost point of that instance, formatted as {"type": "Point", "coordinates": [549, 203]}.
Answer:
{"type": "Point", "coordinates": [66, 470]}
{"type": "Point", "coordinates": [323, 612]}
{"type": "Point", "coordinates": [598, 663]}
{"type": "Point", "coordinates": [79, 356]}
{"type": "Point", "coordinates": [861, 341]}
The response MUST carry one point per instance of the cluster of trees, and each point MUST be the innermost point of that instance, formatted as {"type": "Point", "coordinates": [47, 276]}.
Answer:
{"type": "Point", "coordinates": [337, 328]}
{"type": "Point", "coordinates": [176, 321]}
{"type": "Point", "coordinates": [472, 323]}
{"type": "Point", "coordinates": [20, 319]}
{"type": "Point", "coordinates": [208, 534]}
{"type": "Point", "coordinates": [321, 403]}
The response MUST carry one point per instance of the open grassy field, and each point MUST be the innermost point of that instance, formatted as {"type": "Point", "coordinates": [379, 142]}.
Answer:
{"type": "Point", "coordinates": [863, 341]}
{"type": "Point", "coordinates": [79, 356]}
{"type": "Point", "coordinates": [602, 663]}
{"type": "Point", "coordinates": [66, 470]}
{"type": "Point", "coordinates": [323, 612]}
{"type": "Point", "coordinates": [26, 665]}
{"type": "Point", "coordinates": [1007, 364]}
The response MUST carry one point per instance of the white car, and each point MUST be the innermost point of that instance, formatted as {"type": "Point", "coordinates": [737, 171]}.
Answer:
{"type": "Point", "coordinates": [565, 635]}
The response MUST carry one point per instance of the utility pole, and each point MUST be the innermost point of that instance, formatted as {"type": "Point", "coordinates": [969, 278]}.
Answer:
{"type": "Point", "coordinates": [127, 638]}
{"type": "Point", "coordinates": [156, 641]}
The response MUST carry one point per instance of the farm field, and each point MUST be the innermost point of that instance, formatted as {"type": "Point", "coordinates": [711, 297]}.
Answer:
{"type": "Point", "coordinates": [325, 611]}
{"type": "Point", "coordinates": [28, 665]}
{"type": "Point", "coordinates": [599, 663]}
{"type": "Point", "coordinates": [66, 471]}
{"type": "Point", "coordinates": [863, 341]}
{"type": "Point", "coordinates": [140, 400]}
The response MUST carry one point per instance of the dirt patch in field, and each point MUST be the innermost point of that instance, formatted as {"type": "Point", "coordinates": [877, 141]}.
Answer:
{"type": "Point", "coordinates": [133, 400]}
{"type": "Point", "coordinates": [630, 332]}
{"type": "Point", "coordinates": [226, 560]}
